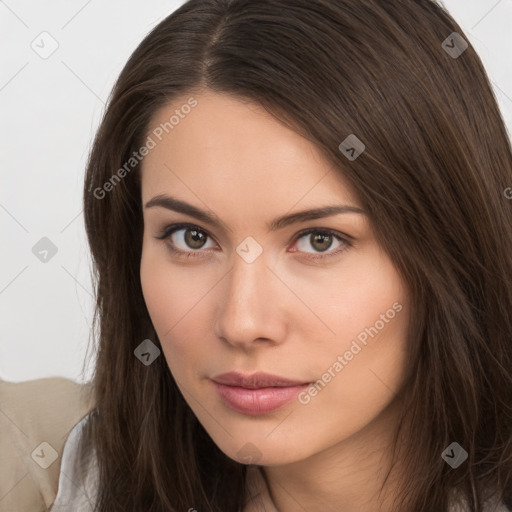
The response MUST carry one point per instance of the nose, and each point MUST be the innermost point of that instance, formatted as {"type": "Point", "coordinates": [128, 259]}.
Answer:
{"type": "Point", "coordinates": [254, 305]}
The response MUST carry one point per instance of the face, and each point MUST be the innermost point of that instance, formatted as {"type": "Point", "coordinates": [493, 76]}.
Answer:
{"type": "Point", "coordinates": [312, 300]}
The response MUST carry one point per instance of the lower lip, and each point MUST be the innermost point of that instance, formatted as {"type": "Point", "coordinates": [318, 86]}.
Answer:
{"type": "Point", "coordinates": [256, 402]}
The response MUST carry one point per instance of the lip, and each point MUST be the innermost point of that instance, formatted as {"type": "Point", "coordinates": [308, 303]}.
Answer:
{"type": "Point", "coordinates": [256, 380]}
{"type": "Point", "coordinates": [256, 394]}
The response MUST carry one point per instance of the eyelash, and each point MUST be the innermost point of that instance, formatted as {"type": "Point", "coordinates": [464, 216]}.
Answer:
{"type": "Point", "coordinates": [171, 229]}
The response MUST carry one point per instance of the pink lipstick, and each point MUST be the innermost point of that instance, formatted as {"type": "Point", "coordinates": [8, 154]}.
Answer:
{"type": "Point", "coordinates": [256, 394]}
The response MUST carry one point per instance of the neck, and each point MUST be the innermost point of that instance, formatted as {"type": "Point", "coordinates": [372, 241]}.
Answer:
{"type": "Point", "coordinates": [346, 477]}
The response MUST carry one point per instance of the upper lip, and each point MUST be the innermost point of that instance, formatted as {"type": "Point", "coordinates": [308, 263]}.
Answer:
{"type": "Point", "coordinates": [256, 380]}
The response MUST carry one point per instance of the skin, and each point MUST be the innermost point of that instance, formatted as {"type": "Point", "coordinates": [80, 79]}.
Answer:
{"type": "Point", "coordinates": [285, 313]}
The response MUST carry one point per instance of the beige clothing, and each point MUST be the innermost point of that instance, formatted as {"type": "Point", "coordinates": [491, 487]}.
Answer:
{"type": "Point", "coordinates": [35, 419]}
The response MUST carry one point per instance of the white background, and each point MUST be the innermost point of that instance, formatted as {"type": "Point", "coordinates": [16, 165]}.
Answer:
{"type": "Point", "coordinates": [50, 111]}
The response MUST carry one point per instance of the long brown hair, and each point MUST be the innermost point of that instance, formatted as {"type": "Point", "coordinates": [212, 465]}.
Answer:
{"type": "Point", "coordinates": [432, 177]}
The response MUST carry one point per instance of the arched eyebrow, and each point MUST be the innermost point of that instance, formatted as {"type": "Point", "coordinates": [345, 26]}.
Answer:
{"type": "Point", "coordinates": [174, 204]}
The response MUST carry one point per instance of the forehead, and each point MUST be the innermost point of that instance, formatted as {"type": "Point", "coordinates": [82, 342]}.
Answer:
{"type": "Point", "coordinates": [226, 147]}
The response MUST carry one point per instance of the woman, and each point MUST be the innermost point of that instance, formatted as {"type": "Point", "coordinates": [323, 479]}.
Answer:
{"type": "Point", "coordinates": [302, 244]}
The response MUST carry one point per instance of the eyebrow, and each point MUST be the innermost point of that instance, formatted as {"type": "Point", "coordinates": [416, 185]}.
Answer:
{"type": "Point", "coordinates": [171, 203]}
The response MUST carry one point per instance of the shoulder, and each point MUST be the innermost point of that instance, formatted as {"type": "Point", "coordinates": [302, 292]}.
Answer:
{"type": "Point", "coordinates": [36, 418]}
{"type": "Point", "coordinates": [78, 478]}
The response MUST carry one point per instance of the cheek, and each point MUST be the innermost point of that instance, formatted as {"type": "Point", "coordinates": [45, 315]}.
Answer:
{"type": "Point", "coordinates": [350, 300]}
{"type": "Point", "coordinates": [378, 323]}
{"type": "Point", "coordinates": [159, 293]}
{"type": "Point", "coordinates": [351, 393]}
{"type": "Point", "coordinates": [173, 299]}
{"type": "Point", "coordinates": [169, 290]}
{"type": "Point", "coordinates": [364, 367]}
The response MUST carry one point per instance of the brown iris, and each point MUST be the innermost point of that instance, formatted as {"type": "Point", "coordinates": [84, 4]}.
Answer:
{"type": "Point", "coordinates": [194, 238]}
{"type": "Point", "coordinates": [323, 240]}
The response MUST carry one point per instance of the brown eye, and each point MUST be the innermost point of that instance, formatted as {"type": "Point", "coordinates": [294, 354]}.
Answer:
{"type": "Point", "coordinates": [188, 240]}
{"type": "Point", "coordinates": [321, 242]}
{"type": "Point", "coordinates": [184, 238]}
{"type": "Point", "coordinates": [194, 238]}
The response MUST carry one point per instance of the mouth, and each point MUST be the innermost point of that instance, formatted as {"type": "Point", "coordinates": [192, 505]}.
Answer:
{"type": "Point", "coordinates": [258, 393]}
